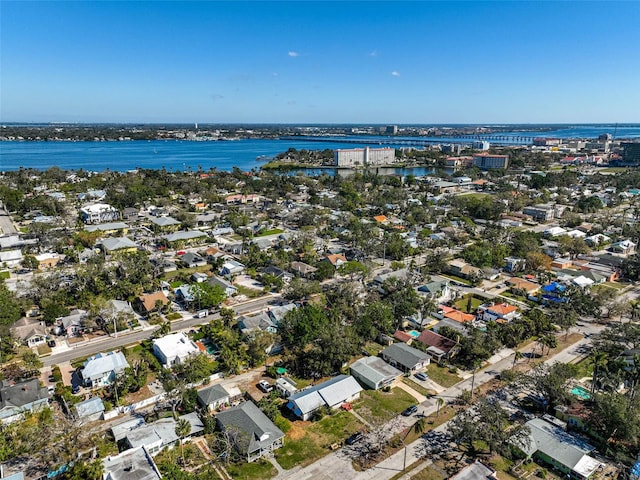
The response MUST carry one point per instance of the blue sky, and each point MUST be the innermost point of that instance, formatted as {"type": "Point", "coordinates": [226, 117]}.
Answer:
{"type": "Point", "coordinates": [320, 62]}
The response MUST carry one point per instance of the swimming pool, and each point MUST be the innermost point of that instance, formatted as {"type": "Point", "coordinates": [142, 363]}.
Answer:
{"type": "Point", "coordinates": [414, 333]}
{"type": "Point", "coordinates": [581, 393]}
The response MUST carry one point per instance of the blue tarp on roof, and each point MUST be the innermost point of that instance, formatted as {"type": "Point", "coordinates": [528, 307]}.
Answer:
{"type": "Point", "coordinates": [554, 287]}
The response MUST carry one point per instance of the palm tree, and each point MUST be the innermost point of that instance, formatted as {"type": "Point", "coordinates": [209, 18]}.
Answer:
{"type": "Point", "coordinates": [183, 428]}
{"type": "Point", "coordinates": [517, 356]}
{"type": "Point", "coordinates": [439, 403]}
{"type": "Point", "coordinates": [599, 360]}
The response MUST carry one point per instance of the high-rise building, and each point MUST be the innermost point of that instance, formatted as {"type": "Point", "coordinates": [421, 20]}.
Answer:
{"type": "Point", "coordinates": [631, 156]}
{"type": "Point", "coordinates": [360, 157]}
{"type": "Point", "coordinates": [391, 129]}
{"type": "Point", "coordinates": [487, 161]}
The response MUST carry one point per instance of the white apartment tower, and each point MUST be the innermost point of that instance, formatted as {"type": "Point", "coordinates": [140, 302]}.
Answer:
{"type": "Point", "coordinates": [360, 157]}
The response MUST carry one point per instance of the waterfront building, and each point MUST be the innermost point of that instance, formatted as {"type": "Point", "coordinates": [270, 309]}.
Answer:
{"type": "Point", "coordinates": [631, 153]}
{"type": "Point", "coordinates": [360, 157]}
{"type": "Point", "coordinates": [488, 161]}
{"type": "Point", "coordinates": [480, 145]}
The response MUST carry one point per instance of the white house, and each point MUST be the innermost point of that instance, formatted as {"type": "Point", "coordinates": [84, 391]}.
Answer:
{"type": "Point", "coordinates": [102, 368]}
{"type": "Point", "coordinates": [174, 349]}
{"type": "Point", "coordinates": [332, 393]}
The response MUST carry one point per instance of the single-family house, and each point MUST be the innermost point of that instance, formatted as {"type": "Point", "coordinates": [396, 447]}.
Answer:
{"type": "Point", "coordinates": [561, 262]}
{"type": "Point", "coordinates": [156, 436]}
{"type": "Point", "coordinates": [192, 260]}
{"type": "Point", "coordinates": [110, 228]}
{"type": "Point", "coordinates": [625, 247]}
{"type": "Point", "coordinates": [460, 268]}
{"type": "Point", "coordinates": [448, 323]}
{"type": "Point", "coordinates": [529, 288]}
{"type": "Point", "coordinates": [217, 395]}
{"type": "Point", "coordinates": [277, 273]}
{"type": "Point", "coordinates": [302, 269]}
{"type": "Point", "coordinates": [184, 293]}
{"type": "Point", "coordinates": [123, 465]}
{"type": "Point", "coordinates": [401, 274]}
{"type": "Point", "coordinates": [47, 260]}
{"type": "Point", "coordinates": [150, 302]}
{"type": "Point", "coordinates": [90, 410]}
{"type": "Point", "coordinates": [457, 315]}
{"type": "Point", "coordinates": [514, 264]}
{"type": "Point", "coordinates": [199, 277]}
{"type": "Point", "coordinates": [278, 312]}
{"type": "Point", "coordinates": [476, 471]}
{"type": "Point", "coordinates": [11, 258]}
{"type": "Point", "coordinates": [374, 372]}
{"type": "Point", "coordinates": [101, 369]}
{"type": "Point", "coordinates": [497, 312]}
{"type": "Point", "coordinates": [252, 323]}
{"type": "Point", "coordinates": [554, 446]}
{"type": "Point", "coordinates": [117, 310]}
{"type": "Point", "coordinates": [438, 346]}
{"type": "Point", "coordinates": [229, 289]}
{"type": "Point", "coordinates": [258, 435]}
{"type": "Point", "coordinates": [405, 358]}
{"type": "Point", "coordinates": [403, 337]}
{"type": "Point", "coordinates": [333, 393]}
{"type": "Point", "coordinates": [174, 349]}
{"type": "Point", "coordinates": [99, 213]}
{"type": "Point", "coordinates": [188, 237]}
{"type": "Point", "coordinates": [438, 292]}
{"type": "Point", "coordinates": [165, 223]}
{"type": "Point", "coordinates": [72, 324]}
{"type": "Point", "coordinates": [118, 244]}
{"type": "Point", "coordinates": [335, 259]}
{"type": "Point", "coordinates": [29, 331]}
{"type": "Point", "coordinates": [16, 398]}
{"type": "Point", "coordinates": [231, 267]}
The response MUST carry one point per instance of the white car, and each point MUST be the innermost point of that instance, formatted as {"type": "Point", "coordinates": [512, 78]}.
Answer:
{"type": "Point", "coordinates": [265, 386]}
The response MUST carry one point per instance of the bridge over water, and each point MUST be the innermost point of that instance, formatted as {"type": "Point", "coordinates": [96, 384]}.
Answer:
{"type": "Point", "coordinates": [504, 140]}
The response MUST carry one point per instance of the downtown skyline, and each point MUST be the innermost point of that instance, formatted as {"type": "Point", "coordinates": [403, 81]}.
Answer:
{"type": "Point", "coordinates": [320, 62]}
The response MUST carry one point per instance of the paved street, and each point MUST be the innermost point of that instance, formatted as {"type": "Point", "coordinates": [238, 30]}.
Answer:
{"type": "Point", "coordinates": [104, 344]}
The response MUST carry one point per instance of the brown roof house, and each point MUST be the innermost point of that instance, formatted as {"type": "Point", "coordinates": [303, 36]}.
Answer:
{"type": "Point", "coordinates": [438, 346]}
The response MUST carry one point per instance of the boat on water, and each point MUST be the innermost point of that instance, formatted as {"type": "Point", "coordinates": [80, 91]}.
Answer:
{"type": "Point", "coordinates": [264, 158]}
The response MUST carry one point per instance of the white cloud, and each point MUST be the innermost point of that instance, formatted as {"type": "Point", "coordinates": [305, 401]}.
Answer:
{"type": "Point", "coordinates": [293, 54]}
{"type": "Point", "coordinates": [395, 73]}
{"type": "Point", "coordinates": [373, 53]}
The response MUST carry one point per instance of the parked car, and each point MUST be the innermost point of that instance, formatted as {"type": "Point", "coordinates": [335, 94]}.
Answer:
{"type": "Point", "coordinates": [51, 343]}
{"type": "Point", "coordinates": [421, 376]}
{"type": "Point", "coordinates": [410, 411]}
{"type": "Point", "coordinates": [76, 389]}
{"type": "Point", "coordinates": [356, 437]}
{"type": "Point", "coordinates": [265, 386]}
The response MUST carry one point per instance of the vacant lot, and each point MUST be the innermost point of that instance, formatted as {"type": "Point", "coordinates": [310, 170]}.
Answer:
{"type": "Point", "coordinates": [383, 406]}
{"type": "Point", "coordinates": [306, 442]}
{"type": "Point", "coordinates": [442, 375]}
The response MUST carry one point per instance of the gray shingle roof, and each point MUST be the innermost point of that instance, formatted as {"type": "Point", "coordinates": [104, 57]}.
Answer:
{"type": "Point", "coordinates": [249, 419]}
{"type": "Point", "coordinates": [102, 363]}
{"type": "Point", "coordinates": [331, 393]}
{"type": "Point", "coordinates": [118, 243]}
{"type": "Point", "coordinates": [89, 407]}
{"type": "Point", "coordinates": [404, 355]}
{"type": "Point", "coordinates": [212, 394]}
{"type": "Point", "coordinates": [374, 369]}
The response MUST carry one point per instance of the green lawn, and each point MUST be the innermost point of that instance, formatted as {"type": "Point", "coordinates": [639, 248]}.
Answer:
{"type": "Point", "coordinates": [383, 406]}
{"type": "Point", "coordinates": [249, 292]}
{"type": "Point", "coordinates": [257, 470]}
{"type": "Point", "coordinates": [462, 303]}
{"type": "Point", "coordinates": [300, 451]}
{"type": "Point", "coordinates": [417, 387]}
{"type": "Point", "coordinates": [305, 443]}
{"type": "Point", "coordinates": [428, 473]}
{"type": "Point", "coordinates": [442, 376]}
{"type": "Point", "coordinates": [4, 275]}
{"type": "Point", "coordinates": [374, 348]}
{"type": "Point", "coordinates": [615, 285]}
{"type": "Point", "coordinates": [273, 231]}
{"type": "Point", "coordinates": [456, 279]}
